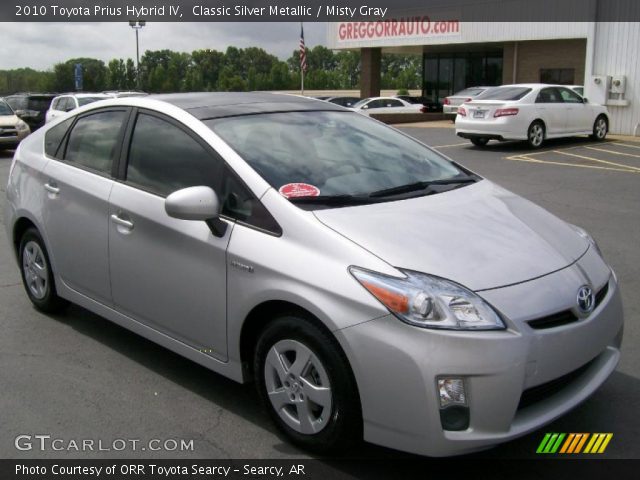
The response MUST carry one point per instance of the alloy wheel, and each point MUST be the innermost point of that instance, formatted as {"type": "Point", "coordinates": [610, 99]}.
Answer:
{"type": "Point", "coordinates": [34, 267]}
{"type": "Point", "coordinates": [298, 386]}
{"type": "Point", "coordinates": [601, 128]}
{"type": "Point", "coordinates": [536, 135]}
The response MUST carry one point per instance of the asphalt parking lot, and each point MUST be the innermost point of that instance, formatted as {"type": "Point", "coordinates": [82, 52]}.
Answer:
{"type": "Point", "coordinates": [77, 376]}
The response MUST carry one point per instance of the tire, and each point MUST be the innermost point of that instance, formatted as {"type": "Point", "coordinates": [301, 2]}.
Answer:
{"type": "Point", "coordinates": [37, 274]}
{"type": "Point", "coordinates": [600, 129]}
{"type": "Point", "coordinates": [479, 141]}
{"type": "Point", "coordinates": [330, 420]}
{"type": "Point", "coordinates": [535, 134]}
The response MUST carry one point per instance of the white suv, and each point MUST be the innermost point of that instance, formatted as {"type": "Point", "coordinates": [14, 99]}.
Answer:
{"type": "Point", "coordinates": [65, 103]}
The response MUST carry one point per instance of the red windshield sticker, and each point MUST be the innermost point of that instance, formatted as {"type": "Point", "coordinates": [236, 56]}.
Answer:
{"type": "Point", "coordinates": [293, 190]}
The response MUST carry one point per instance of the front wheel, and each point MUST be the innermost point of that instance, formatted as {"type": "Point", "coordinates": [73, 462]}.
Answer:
{"type": "Point", "coordinates": [600, 129]}
{"type": "Point", "coordinates": [479, 141]}
{"type": "Point", "coordinates": [306, 384]}
{"type": "Point", "coordinates": [535, 135]}
{"type": "Point", "coordinates": [37, 275]}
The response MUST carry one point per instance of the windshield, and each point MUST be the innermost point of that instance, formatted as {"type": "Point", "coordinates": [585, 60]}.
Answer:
{"type": "Point", "coordinates": [87, 100]}
{"type": "Point", "coordinates": [5, 109]}
{"type": "Point", "coordinates": [504, 93]}
{"type": "Point", "coordinates": [331, 153]}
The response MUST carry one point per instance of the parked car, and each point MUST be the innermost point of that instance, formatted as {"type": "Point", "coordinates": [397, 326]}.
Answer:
{"type": "Point", "coordinates": [31, 107]}
{"type": "Point", "coordinates": [451, 103]}
{"type": "Point", "coordinates": [12, 129]}
{"type": "Point", "coordinates": [344, 101]}
{"type": "Point", "coordinates": [325, 256]}
{"type": "Point", "coordinates": [531, 112]}
{"type": "Point", "coordinates": [125, 93]}
{"type": "Point", "coordinates": [430, 106]}
{"type": "Point", "coordinates": [379, 105]}
{"type": "Point", "coordinates": [65, 103]}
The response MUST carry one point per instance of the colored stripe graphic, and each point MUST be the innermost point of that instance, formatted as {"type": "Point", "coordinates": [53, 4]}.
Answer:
{"type": "Point", "coordinates": [574, 443]}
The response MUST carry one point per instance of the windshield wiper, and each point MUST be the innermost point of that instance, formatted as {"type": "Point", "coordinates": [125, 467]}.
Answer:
{"type": "Point", "coordinates": [332, 200]}
{"type": "Point", "coordinates": [413, 187]}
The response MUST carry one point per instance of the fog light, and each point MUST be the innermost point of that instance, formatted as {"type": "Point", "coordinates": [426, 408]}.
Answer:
{"type": "Point", "coordinates": [451, 391]}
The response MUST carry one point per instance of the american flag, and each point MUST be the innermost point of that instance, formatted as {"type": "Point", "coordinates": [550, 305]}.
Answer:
{"type": "Point", "coordinates": [303, 51]}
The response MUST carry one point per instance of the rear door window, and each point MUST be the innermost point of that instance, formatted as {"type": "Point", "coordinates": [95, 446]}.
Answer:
{"type": "Point", "coordinates": [95, 141]}
{"type": "Point", "coordinates": [569, 96]}
{"type": "Point", "coordinates": [549, 95]}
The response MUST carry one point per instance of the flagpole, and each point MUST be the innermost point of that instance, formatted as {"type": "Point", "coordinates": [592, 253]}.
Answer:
{"type": "Point", "coordinates": [302, 66]}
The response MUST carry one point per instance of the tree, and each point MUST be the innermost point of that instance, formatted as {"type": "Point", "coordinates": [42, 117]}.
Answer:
{"type": "Point", "coordinates": [117, 75]}
{"type": "Point", "coordinates": [94, 75]}
{"type": "Point", "coordinates": [130, 75]}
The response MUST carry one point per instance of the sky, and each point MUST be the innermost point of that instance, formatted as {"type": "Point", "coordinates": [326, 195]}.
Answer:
{"type": "Point", "coordinates": [41, 45]}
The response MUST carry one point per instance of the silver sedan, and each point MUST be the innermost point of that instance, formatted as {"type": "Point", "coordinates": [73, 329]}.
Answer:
{"type": "Point", "coordinates": [369, 286]}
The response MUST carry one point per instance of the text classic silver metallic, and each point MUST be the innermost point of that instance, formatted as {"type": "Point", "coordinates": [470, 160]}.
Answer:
{"type": "Point", "coordinates": [368, 285]}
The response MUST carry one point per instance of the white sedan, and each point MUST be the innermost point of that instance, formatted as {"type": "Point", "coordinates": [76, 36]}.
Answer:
{"type": "Point", "coordinates": [375, 105]}
{"type": "Point", "coordinates": [531, 112]}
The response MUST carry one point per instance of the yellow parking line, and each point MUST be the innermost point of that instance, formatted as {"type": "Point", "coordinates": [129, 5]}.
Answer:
{"type": "Point", "coordinates": [597, 160]}
{"type": "Point", "coordinates": [522, 158]}
{"type": "Point", "coordinates": [615, 153]}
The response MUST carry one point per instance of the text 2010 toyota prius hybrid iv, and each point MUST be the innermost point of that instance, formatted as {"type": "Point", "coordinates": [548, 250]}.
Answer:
{"type": "Point", "coordinates": [370, 286]}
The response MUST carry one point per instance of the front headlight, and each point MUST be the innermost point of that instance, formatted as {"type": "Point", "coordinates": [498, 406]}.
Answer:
{"type": "Point", "coordinates": [22, 126]}
{"type": "Point", "coordinates": [584, 234]}
{"type": "Point", "coordinates": [430, 302]}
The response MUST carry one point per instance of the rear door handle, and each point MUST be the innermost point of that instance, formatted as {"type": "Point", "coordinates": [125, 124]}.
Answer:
{"type": "Point", "coordinates": [51, 188]}
{"type": "Point", "coordinates": [122, 222]}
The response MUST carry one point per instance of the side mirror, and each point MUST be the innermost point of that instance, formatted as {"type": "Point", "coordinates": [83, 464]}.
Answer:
{"type": "Point", "coordinates": [365, 107]}
{"type": "Point", "coordinates": [199, 204]}
{"type": "Point", "coordinates": [585, 100]}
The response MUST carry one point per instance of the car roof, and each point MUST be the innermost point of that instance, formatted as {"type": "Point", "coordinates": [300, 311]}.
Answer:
{"type": "Point", "coordinates": [534, 85]}
{"type": "Point", "coordinates": [210, 105]}
{"type": "Point", "coordinates": [85, 95]}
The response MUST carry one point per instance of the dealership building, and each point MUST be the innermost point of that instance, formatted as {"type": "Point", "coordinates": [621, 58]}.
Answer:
{"type": "Point", "coordinates": [602, 56]}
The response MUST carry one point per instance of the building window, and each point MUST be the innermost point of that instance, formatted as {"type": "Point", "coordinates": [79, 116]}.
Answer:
{"type": "Point", "coordinates": [557, 76]}
{"type": "Point", "coordinates": [449, 72]}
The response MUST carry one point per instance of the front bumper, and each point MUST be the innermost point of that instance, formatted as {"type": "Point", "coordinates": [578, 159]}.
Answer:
{"type": "Point", "coordinates": [12, 139]}
{"type": "Point", "coordinates": [396, 367]}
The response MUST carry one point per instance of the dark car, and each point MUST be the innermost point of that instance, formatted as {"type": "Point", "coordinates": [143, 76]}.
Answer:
{"type": "Point", "coordinates": [31, 107]}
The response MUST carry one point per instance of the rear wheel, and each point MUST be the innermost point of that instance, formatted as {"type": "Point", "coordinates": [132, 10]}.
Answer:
{"type": "Point", "coordinates": [600, 129]}
{"type": "Point", "coordinates": [535, 134]}
{"type": "Point", "coordinates": [37, 275]}
{"type": "Point", "coordinates": [479, 141]}
{"type": "Point", "coordinates": [306, 384]}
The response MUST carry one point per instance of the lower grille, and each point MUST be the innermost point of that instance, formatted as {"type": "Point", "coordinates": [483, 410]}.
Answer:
{"type": "Point", "coordinates": [539, 393]}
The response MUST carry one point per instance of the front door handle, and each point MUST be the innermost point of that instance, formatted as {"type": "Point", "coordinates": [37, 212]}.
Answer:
{"type": "Point", "coordinates": [51, 188]}
{"type": "Point", "coordinates": [122, 222]}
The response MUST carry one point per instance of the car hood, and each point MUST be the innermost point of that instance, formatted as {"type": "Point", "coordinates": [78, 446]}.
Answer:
{"type": "Point", "coordinates": [481, 236]}
{"type": "Point", "coordinates": [8, 120]}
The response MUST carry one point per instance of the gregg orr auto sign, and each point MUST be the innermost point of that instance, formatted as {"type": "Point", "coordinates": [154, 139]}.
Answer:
{"type": "Point", "coordinates": [400, 29]}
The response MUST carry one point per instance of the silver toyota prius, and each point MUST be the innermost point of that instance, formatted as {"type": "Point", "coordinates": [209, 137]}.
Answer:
{"type": "Point", "coordinates": [369, 286]}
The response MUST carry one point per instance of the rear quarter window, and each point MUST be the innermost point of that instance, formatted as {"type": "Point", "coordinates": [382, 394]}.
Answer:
{"type": "Point", "coordinates": [53, 138]}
